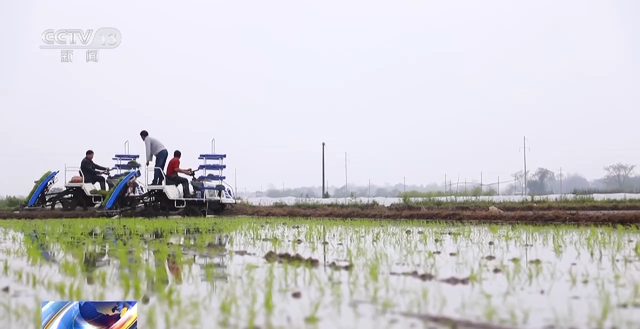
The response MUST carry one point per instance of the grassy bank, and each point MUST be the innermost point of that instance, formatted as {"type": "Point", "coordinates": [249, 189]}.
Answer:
{"type": "Point", "coordinates": [533, 202]}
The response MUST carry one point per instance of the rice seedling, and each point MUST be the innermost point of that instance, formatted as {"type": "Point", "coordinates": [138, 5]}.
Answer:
{"type": "Point", "coordinates": [296, 273]}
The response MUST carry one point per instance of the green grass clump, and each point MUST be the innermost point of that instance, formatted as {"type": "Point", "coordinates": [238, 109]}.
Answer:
{"type": "Point", "coordinates": [35, 186]}
{"type": "Point", "coordinates": [100, 192]}
{"type": "Point", "coordinates": [133, 163]}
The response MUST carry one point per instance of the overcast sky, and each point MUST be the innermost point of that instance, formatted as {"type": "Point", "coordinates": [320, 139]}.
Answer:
{"type": "Point", "coordinates": [414, 89]}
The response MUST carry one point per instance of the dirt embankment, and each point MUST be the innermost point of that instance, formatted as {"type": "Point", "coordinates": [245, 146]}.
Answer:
{"type": "Point", "coordinates": [550, 206]}
{"type": "Point", "coordinates": [475, 215]}
{"type": "Point", "coordinates": [479, 215]}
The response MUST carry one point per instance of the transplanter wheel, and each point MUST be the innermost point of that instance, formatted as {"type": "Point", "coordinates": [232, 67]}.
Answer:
{"type": "Point", "coordinates": [218, 209]}
{"type": "Point", "coordinates": [192, 211]}
{"type": "Point", "coordinates": [129, 212]}
{"type": "Point", "coordinates": [54, 201]}
{"type": "Point", "coordinates": [69, 203]}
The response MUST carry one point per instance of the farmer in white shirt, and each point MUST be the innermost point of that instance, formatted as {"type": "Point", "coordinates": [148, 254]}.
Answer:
{"type": "Point", "coordinates": [155, 147]}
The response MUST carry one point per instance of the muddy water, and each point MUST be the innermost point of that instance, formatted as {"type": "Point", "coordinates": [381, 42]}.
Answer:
{"type": "Point", "coordinates": [382, 277]}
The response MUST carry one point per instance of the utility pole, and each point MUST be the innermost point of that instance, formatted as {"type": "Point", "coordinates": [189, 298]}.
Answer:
{"type": "Point", "coordinates": [445, 184]}
{"type": "Point", "coordinates": [524, 148]}
{"type": "Point", "coordinates": [404, 184]}
{"type": "Point", "coordinates": [346, 182]}
{"type": "Point", "coordinates": [369, 187]}
{"type": "Point", "coordinates": [481, 188]}
{"type": "Point", "coordinates": [561, 179]}
{"type": "Point", "coordinates": [323, 186]}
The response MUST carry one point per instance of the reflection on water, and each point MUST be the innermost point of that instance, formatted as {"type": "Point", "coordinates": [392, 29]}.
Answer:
{"type": "Point", "coordinates": [330, 276]}
{"type": "Point", "coordinates": [94, 257]}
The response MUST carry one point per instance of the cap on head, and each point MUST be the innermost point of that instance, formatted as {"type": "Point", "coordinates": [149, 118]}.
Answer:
{"type": "Point", "coordinates": [144, 134]}
{"type": "Point", "coordinates": [177, 154]}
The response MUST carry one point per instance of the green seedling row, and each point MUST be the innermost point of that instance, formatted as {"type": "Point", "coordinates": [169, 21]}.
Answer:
{"type": "Point", "coordinates": [325, 273]}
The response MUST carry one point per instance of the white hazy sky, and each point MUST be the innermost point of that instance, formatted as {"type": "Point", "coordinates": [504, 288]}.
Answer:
{"type": "Point", "coordinates": [408, 88]}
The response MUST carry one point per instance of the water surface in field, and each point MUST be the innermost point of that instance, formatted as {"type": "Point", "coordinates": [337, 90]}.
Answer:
{"type": "Point", "coordinates": [383, 275]}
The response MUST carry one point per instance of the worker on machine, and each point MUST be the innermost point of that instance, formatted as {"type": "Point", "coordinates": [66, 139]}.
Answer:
{"type": "Point", "coordinates": [155, 148]}
{"type": "Point", "coordinates": [173, 168]}
{"type": "Point", "coordinates": [90, 171]}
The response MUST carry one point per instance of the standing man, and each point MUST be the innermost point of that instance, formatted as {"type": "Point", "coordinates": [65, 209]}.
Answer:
{"type": "Point", "coordinates": [90, 171]}
{"type": "Point", "coordinates": [155, 147]}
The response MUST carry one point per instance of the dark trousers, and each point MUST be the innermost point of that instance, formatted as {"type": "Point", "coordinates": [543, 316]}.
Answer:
{"type": "Point", "coordinates": [161, 160]}
{"type": "Point", "coordinates": [97, 179]}
{"type": "Point", "coordinates": [177, 180]}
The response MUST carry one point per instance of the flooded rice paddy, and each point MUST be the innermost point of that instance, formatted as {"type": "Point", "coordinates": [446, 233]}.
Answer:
{"type": "Point", "coordinates": [287, 273]}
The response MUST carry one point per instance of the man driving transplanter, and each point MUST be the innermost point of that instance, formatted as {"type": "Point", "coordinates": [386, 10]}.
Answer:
{"type": "Point", "coordinates": [90, 171]}
{"type": "Point", "coordinates": [173, 168]}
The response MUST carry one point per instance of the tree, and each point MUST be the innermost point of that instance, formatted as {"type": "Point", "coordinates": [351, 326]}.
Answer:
{"type": "Point", "coordinates": [509, 190]}
{"type": "Point", "coordinates": [518, 180]}
{"type": "Point", "coordinates": [540, 182]}
{"type": "Point", "coordinates": [618, 173]}
{"type": "Point", "coordinates": [381, 192]}
{"type": "Point", "coordinates": [341, 192]}
{"type": "Point", "coordinates": [570, 182]}
{"type": "Point", "coordinates": [11, 202]}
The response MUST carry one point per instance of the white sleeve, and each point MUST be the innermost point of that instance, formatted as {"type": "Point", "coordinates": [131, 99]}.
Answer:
{"type": "Point", "coordinates": [147, 145]}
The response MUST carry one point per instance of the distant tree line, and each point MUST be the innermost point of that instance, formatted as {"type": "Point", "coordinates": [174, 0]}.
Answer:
{"type": "Point", "coordinates": [618, 178]}
{"type": "Point", "coordinates": [10, 202]}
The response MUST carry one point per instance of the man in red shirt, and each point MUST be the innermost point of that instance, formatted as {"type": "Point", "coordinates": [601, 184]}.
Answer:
{"type": "Point", "coordinates": [173, 168]}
